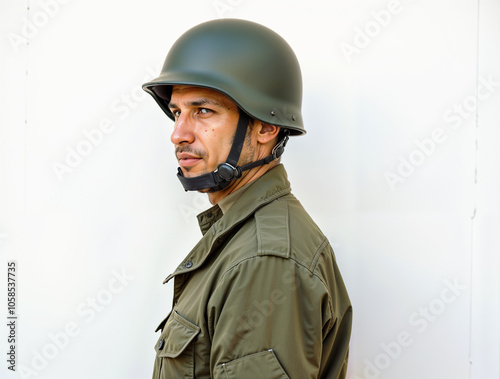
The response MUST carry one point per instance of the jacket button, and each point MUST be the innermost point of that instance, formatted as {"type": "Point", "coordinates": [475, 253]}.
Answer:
{"type": "Point", "coordinates": [189, 264]}
{"type": "Point", "coordinates": [161, 344]}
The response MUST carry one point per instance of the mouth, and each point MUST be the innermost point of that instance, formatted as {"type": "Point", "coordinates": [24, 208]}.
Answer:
{"type": "Point", "coordinates": [187, 160]}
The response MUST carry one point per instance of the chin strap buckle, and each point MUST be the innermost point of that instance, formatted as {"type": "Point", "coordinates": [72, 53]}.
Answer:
{"type": "Point", "coordinates": [279, 149]}
{"type": "Point", "coordinates": [228, 172]}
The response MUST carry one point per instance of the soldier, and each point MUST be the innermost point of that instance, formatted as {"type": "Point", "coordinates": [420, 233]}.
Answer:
{"type": "Point", "coordinates": [260, 295]}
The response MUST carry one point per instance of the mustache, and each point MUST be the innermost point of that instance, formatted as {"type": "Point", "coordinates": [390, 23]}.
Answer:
{"type": "Point", "coordinates": [190, 150]}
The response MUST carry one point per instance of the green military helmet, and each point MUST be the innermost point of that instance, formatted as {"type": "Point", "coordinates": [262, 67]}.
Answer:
{"type": "Point", "coordinates": [246, 61]}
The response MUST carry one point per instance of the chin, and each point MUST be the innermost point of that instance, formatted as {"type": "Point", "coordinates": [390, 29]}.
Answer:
{"type": "Point", "coordinates": [191, 172]}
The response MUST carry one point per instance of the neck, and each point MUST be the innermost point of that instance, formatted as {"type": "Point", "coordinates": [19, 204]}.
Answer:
{"type": "Point", "coordinates": [247, 177]}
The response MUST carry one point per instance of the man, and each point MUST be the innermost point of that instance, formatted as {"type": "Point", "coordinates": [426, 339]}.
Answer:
{"type": "Point", "coordinates": [260, 295]}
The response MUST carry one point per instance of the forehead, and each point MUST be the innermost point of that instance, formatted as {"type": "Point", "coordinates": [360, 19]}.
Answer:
{"type": "Point", "coordinates": [194, 92]}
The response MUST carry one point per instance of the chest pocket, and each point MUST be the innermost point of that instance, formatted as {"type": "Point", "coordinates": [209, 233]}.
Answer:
{"type": "Point", "coordinates": [175, 349]}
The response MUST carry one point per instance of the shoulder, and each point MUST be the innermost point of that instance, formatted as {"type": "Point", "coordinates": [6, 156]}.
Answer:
{"type": "Point", "coordinates": [280, 231]}
{"type": "Point", "coordinates": [284, 228]}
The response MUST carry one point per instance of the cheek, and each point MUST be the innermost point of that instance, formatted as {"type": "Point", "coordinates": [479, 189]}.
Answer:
{"type": "Point", "coordinates": [217, 139]}
{"type": "Point", "coordinates": [218, 149]}
{"type": "Point", "coordinates": [209, 131]}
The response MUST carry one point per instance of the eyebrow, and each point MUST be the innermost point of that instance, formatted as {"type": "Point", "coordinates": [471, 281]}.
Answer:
{"type": "Point", "coordinates": [198, 103]}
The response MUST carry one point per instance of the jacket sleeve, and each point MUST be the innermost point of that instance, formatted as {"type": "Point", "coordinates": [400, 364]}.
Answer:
{"type": "Point", "coordinates": [269, 317]}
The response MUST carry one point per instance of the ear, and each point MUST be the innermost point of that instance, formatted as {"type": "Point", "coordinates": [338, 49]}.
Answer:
{"type": "Point", "coordinates": [266, 132]}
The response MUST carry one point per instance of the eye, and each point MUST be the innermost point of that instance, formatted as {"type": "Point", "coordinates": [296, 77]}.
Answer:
{"type": "Point", "coordinates": [176, 113]}
{"type": "Point", "coordinates": [205, 111]}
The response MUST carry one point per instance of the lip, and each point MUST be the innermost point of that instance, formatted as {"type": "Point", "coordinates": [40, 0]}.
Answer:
{"type": "Point", "coordinates": [187, 160]}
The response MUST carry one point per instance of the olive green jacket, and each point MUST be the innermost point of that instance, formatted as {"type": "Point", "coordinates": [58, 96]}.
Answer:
{"type": "Point", "coordinates": [260, 296]}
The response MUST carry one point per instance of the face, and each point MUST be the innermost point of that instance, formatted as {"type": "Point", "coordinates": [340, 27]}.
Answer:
{"type": "Point", "coordinates": [205, 124]}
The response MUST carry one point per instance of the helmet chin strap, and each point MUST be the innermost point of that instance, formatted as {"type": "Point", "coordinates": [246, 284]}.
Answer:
{"type": "Point", "coordinates": [226, 172]}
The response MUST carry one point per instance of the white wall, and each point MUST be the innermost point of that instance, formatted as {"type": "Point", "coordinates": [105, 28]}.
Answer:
{"type": "Point", "coordinates": [399, 167]}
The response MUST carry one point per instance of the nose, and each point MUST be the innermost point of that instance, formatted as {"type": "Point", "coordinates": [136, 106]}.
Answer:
{"type": "Point", "coordinates": [183, 131]}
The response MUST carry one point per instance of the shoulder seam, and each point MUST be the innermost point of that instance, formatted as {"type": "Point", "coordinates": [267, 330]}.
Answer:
{"type": "Point", "coordinates": [320, 250]}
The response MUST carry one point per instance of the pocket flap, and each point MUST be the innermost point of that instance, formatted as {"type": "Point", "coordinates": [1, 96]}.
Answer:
{"type": "Point", "coordinates": [177, 334]}
{"type": "Point", "coordinates": [259, 365]}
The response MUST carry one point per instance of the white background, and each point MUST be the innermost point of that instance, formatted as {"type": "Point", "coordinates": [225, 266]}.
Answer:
{"type": "Point", "coordinates": [409, 217]}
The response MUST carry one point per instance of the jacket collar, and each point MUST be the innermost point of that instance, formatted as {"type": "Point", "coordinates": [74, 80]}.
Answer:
{"type": "Point", "coordinates": [215, 225]}
{"type": "Point", "coordinates": [270, 186]}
